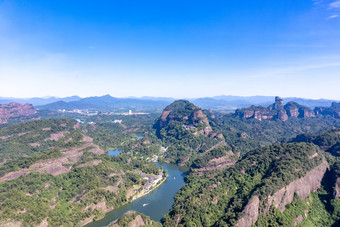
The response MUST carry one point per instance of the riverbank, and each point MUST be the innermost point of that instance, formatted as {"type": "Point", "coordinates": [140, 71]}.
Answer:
{"type": "Point", "coordinates": [159, 201]}
{"type": "Point", "coordinates": [153, 187]}
{"type": "Point", "coordinates": [153, 183]}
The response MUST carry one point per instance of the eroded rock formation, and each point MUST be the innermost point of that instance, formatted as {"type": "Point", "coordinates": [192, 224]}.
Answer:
{"type": "Point", "coordinates": [302, 187]}
{"type": "Point", "coordinates": [333, 110]}
{"type": "Point", "coordinates": [14, 109]}
{"type": "Point", "coordinates": [190, 116]}
{"type": "Point", "coordinates": [275, 111]}
{"type": "Point", "coordinates": [250, 213]}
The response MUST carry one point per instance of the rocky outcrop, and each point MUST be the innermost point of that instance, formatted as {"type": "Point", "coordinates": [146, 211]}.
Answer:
{"type": "Point", "coordinates": [257, 112]}
{"type": "Point", "coordinates": [277, 105]}
{"type": "Point", "coordinates": [250, 213]}
{"type": "Point", "coordinates": [282, 115]}
{"type": "Point", "coordinates": [337, 188]}
{"type": "Point", "coordinates": [275, 111]}
{"type": "Point", "coordinates": [302, 187]}
{"type": "Point", "coordinates": [13, 110]}
{"type": "Point", "coordinates": [333, 110]}
{"type": "Point", "coordinates": [133, 219]}
{"type": "Point", "coordinates": [187, 114]}
{"type": "Point", "coordinates": [216, 164]}
{"type": "Point", "coordinates": [298, 220]}
{"type": "Point", "coordinates": [294, 109]}
{"type": "Point", "coordinates": [335, 177]}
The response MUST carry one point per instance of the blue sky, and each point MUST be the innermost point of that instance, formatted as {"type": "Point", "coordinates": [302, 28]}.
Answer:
{"type": "Point", "coordinates": [169, 48]}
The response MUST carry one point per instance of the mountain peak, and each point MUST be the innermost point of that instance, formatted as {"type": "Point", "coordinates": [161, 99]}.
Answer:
{"type": "Point", "coordinates": [186, 114]}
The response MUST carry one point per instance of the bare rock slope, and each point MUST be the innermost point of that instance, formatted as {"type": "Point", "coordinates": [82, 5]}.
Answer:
{"type": "Point", "coordinates": [302, 187]}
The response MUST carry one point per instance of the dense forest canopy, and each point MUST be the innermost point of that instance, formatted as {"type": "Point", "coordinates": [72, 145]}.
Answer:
{"type": "Point", "coordinates": [57, 171]}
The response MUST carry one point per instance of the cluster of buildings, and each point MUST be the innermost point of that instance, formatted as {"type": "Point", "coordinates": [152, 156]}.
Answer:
{"type": "Point", "coordinates": [189, 127]}
{"type": "Point", "coordinates": [124, 113]}
{"type": "Point", "coordinates": [92, 113]}
{"type": "Point", "coordinates": [78, 111]}
{"type": "Point", "coordinates": [151, 181]}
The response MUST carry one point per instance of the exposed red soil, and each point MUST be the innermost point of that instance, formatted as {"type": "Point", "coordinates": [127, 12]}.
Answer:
{"type": "Point", "coordinates": [9, 136]}
{"type": "Point", "coordinates": [59, 165]}
{"type": "Point", "coordinates": [57, 136]}
{"type": "Point", "coordinates": [91, 163]}
{"type": "Point", "coordinates": [15, 110]}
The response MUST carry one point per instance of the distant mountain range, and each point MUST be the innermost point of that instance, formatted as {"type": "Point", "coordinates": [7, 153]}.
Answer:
{"type": "Point", "coordinates": [109, 103]}
{"type": "Point", "coordinates": [235, 102]}
{"type": "Point", "coordinates": [38, 101]}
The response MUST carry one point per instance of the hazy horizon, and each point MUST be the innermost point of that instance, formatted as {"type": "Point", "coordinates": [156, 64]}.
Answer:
{"type": "Point", "coordinates": [170, 48]}
{"type": "Point", "coordinates": [158, 97]}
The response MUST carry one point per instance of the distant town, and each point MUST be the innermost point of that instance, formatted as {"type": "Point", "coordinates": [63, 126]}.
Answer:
{"type": "Point", "coordinates": [93, 113]}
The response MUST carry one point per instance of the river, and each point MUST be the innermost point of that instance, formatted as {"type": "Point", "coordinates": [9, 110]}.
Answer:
{"type": "Point", "coordinates": [159, 201]}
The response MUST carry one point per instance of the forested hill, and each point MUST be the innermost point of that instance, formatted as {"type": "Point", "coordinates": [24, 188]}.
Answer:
{"type": "Point", "coordinates": [249, 177]}
{"type": "Point", "coordinates": [246, 134]}
{"type": "Point", "coordinates": [243, 193]}
{"type": "Point", "coordinates": [185, 132]}
{"type": "Point", "coordinates": [328, 141]}
{"type": "Point", "coordinates": [243, 171]}
{"type": "Point", "coordinates": [183, 112]}
{"type": "Point", "coordinates": [53, 172]}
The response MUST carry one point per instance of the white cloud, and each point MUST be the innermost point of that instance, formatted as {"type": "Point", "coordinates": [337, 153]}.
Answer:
{"type": "Point", "coordinates": [334, 5]}
{"type": "Point", "coordinates": [332, 17]}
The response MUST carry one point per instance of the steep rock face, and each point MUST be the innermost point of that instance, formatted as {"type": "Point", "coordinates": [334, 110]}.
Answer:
{"type": "Point", "coordinates": [216, 164]}
{"type": "Point", "coordinates": [306, 112]}
{"type": "Point", "coordinates": [335, 173]}
{"type": "Point", "coordinates": [250, 213]}
{"type": "Point", "coordinates": [337, 188]}
{"type": "Point", "coordinates": [282, 115]}
{"type": "Point", "coordinates": [190, 116]}
{"type": "Point", "coordinates": [257, 112]}
{"type": "Point", "coordinates": [302, 187]}
{"type": "Point", "coordinates": [185, 130]}
{"type": "Point", "coordinates": [277, 105]}
{"type": "Point", "coordinates": [275, 111]}
{"type": "Point", "coordinates": [333, 110]}
{"type": "Point", "coordinates": [294, 109]}
{"type": "Point", "coordinates": [15, 110]}
{"type": "Point", "coordinates": [279, 108]}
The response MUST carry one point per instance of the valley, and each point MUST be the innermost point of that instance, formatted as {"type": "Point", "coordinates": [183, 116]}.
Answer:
{"type": "Point", "coordinates": [257, 166]}
{"type": "Point", "coordinates": [170, 113]}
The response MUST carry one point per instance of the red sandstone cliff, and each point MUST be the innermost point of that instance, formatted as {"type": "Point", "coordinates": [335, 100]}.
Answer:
{"type": "Point", "coordinates": [275, 111]}
{"type": "Point", "coordinates": [14, 109]}
{"type": "Point", "coordinates": [186, 113]}
{"type": "Point", "coordinates": [302, 187]}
